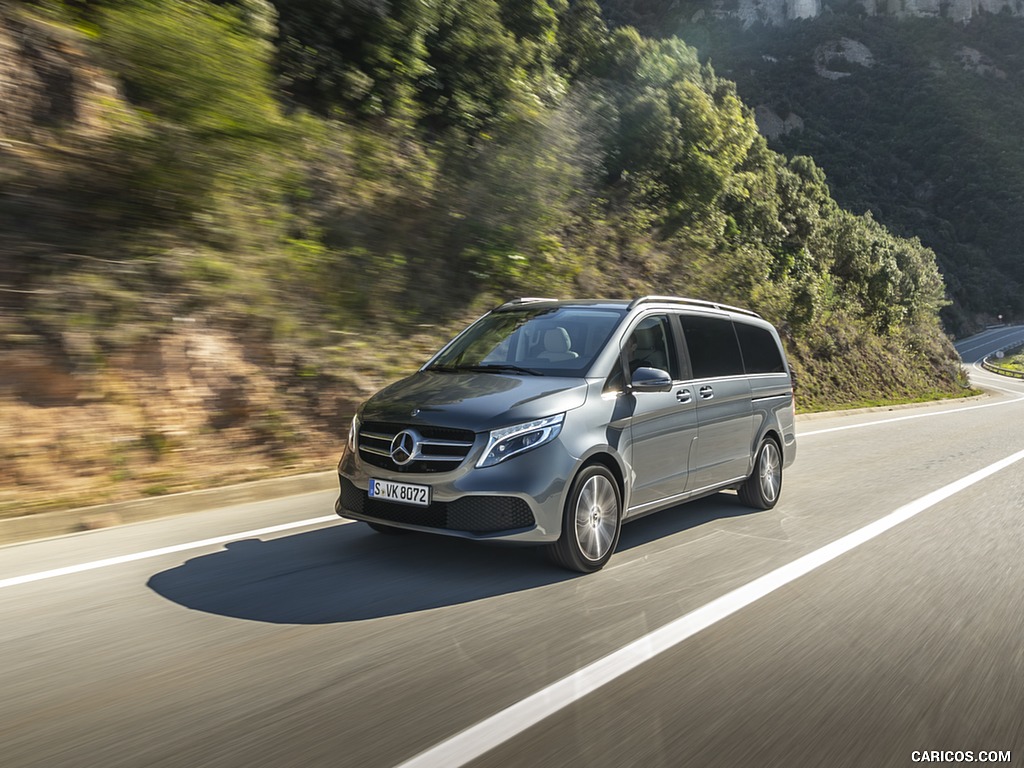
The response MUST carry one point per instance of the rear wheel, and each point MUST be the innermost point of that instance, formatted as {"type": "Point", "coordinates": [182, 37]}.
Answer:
{"type": "Point", "coordinates": [761, 490]}
{"type": "Point", "coordinates": [591, 522]}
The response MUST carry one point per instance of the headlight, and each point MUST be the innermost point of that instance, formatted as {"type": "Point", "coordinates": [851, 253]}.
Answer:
{"type": "Point", "coordinates": [509, 441]}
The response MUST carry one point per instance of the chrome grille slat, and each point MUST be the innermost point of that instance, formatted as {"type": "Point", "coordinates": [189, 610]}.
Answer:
{"type": "Point", "coordinates": [439, 449]}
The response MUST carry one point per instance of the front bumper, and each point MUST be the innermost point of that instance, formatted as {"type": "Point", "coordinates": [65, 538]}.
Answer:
{"type": "Point", "coordinates": [519, 500]}
{"type": "Point", "coordinates": [474, 515]}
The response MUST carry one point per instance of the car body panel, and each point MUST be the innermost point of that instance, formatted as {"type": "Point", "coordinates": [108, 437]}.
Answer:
{"type": "Point", "coordinates": [725, 419]}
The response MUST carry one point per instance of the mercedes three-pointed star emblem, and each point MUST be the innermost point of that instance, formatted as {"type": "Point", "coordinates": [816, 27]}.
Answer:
{"type": "Point", "coordinates": [404, 447]}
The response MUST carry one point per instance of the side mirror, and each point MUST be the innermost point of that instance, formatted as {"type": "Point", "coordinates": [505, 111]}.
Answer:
{"type": "Point", "coordinates": [650, 380]}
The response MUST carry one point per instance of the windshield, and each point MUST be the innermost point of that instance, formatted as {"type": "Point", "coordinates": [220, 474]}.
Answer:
{"type": "Point", "coordinates": [559, 341]}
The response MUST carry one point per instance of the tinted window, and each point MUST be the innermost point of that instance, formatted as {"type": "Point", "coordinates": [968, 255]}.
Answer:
{"type": "Point", "coordinates": [712, 345]}
{"type": "Point", "coordinates": [760, 352]}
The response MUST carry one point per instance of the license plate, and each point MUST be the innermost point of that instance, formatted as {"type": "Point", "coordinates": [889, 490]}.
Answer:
{"type": "Point", "coordinates": [403, 493]}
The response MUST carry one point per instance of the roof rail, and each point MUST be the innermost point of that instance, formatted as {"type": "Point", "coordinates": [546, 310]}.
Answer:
{"type": "Point", "coordinates": [691, 302]}
{"type": "Point", "coordinates": [523, 300]}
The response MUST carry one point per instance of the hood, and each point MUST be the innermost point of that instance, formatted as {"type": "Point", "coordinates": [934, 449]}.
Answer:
{"type": "Point", "coordinates": [475, 401]}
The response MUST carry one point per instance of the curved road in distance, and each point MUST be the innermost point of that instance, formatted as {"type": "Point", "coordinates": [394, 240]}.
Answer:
{"type": "Point", "coordinates": [874, 613]}
{"type": "Point", "coordinates": [972, 350]}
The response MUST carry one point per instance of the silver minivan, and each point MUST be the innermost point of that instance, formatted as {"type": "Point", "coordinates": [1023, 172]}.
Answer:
{"type": "Point", "coordinates": [554, 422]}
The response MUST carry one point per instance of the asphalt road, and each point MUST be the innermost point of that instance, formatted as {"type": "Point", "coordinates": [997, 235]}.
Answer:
{"type": "Point", "coordinates": [876, 612]}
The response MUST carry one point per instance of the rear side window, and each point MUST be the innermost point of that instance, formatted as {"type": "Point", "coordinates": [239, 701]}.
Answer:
{"type": "Point", "coordinates": [714, 351]}
{"type": "Point", "coordinates": [760, 352]}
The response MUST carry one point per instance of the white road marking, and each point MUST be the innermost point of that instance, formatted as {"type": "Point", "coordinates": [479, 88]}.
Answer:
{"type": "Point", "coordinates": [53, 573]}
{"type": "Point", "coordinates": [499, 728]}
{"type": "Point", "coordinates": [989, 377]}
{"type": "Point", "coordinates": [876, 423]}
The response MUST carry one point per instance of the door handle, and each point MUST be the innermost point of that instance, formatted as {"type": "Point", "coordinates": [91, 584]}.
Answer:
{"type": "Point", "coordinates": [683, 396]}
{"type": "Point", "coordinates": [706, 393]}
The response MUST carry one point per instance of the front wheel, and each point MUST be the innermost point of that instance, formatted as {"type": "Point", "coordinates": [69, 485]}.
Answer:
{"type": "Point", "coordinates": [761, 490]}
{"type": "Point", "coordinates": [591, 522]}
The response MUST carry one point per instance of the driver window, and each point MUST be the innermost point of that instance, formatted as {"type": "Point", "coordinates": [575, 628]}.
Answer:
{"type": "Point", "coordinates": [650, 345]}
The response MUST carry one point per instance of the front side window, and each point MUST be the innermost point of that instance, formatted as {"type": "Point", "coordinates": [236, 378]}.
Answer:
{"type": "Point", "coordinates": [551, 341]}
{"type": "Point", "coordinates": [650, 345]}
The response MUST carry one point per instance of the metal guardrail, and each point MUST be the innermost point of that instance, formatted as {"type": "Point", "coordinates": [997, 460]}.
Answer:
{"type": "Point", "coordinates": [990, 366]}
{"type": "Point", "coordinates": [1001, 371]}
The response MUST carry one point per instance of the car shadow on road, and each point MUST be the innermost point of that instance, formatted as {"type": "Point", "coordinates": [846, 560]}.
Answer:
{"type": "Point", "coordinates": [347, 573]}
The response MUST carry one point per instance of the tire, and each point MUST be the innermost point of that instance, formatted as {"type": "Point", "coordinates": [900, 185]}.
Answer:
{"type": "Point", "coordinates": [761, 490]}
{"type": "Point", "coordinates": [591, 522]}
{"type": "Point", "coordinates": [388, 530]}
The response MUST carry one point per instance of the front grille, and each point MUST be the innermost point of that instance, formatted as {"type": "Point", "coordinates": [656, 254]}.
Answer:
{"type": "Point", "coordinates": [440, 449]}
{"type": "Point", "coordinates": [473, 514]}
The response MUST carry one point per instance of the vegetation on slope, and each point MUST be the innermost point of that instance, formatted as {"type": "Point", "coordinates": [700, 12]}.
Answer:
{"type": "Point", "coordinates": [334, 186]}
{"type": "Point", "coordinates": [924, 138]}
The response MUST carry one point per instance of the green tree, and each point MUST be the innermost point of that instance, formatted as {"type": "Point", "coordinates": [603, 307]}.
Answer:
{"type": "Point", "coordinates": [582, 38]}
{"type": "Point", "coordinates": [475, 71]}
{"type": "Point", "coordinates": [684, 132]}
{"type": "Point", "coordinates": [362, 55]}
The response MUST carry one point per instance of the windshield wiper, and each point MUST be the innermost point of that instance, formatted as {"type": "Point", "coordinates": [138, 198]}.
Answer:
{"type": "Point", "coordinates": [499, 367]}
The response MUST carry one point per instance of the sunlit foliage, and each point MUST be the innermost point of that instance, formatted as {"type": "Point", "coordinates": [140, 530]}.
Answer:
{"type": "Point", "coordinates": [301, 169]}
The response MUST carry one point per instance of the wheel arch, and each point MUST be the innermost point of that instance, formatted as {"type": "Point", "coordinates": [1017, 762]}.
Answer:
{"type": "Point", "coordinates": [612, 463]}
{"type": "Point", "coordinates": [772, 432]}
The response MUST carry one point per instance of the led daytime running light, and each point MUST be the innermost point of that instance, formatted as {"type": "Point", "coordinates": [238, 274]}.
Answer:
{"type": "Point", "coordinates": [351, 442]}
{"type": "Point", "coordinates": [502, 442]}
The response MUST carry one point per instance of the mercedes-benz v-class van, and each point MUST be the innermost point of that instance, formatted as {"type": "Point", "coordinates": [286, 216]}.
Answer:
{"type": "Point", "coordinates": [555, 422]}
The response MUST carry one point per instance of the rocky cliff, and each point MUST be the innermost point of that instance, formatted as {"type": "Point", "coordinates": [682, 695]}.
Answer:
{"type": "Point", "coordinates": [778, 12]}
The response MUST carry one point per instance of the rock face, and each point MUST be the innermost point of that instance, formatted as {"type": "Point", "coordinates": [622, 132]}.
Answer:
{"type": "Point", "coordinates": [771, 125]}
{"type": "Point", "coordinates": [975, 61]}
{"type": "Point", "coordinates": [831, 59]}
{"type": "Point", "coordinates": [778, 12]}
{"type": "Point", "coordinates": [956, 10]}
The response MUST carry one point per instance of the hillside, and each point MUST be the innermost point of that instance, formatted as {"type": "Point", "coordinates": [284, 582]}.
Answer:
{"type": "Point", "coordinates": [911, 115]}
{"type": "Point", "coordinates": [223, 225]}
